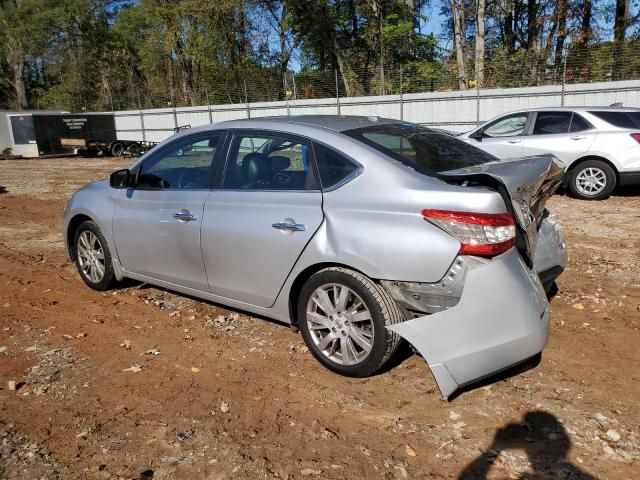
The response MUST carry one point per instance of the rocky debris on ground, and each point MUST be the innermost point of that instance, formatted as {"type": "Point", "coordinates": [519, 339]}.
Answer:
{"type": "Point", "coordinates": [18, 452]}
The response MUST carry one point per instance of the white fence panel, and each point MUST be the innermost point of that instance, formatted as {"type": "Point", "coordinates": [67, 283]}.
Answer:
{"type": "Point", "coordinates": [451, 110]}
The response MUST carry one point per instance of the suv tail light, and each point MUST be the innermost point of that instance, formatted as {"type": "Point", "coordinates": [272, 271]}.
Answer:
{"type": "Point", "coordinates": [636, 137]}
{"type": "Point", "coordinates": [484, 234]}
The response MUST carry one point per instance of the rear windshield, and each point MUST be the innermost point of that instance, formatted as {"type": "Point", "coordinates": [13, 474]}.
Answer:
{"type": "Point", "coordinates": [620, 119]}
{"type": "Point", "coordinates": [425, 150]}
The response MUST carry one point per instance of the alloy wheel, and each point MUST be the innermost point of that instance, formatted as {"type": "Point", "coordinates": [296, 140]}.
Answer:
{"type": "Point", "coordinates": [340, 324]}
{"type": "Point", "coordinates": [91, 256]}
{"type": "Point", "coordinates": [591, 181]}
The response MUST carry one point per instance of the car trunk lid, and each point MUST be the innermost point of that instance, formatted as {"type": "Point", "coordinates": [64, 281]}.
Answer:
{"type": "Point", "coordinates": [525, 184]}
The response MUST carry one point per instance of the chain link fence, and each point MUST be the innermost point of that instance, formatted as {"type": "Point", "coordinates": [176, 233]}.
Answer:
{"type": "Point", "coordinates": [428, 93]}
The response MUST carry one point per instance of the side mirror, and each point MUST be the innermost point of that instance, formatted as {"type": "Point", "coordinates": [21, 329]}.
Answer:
{"type": "Point", "coordinates": [120, 178]}
{"type": "Point", "coordinates": [477, 135]}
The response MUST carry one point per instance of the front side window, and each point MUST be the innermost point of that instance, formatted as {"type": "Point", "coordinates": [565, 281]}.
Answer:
{"type": "Point", "coordinates": [509, 126]}
{"type": "Point", "coordinates": [185, 164]}
{"type": "Point", "coordinates": [552, 122]}
{"type": "Point", "coordinates": [427, 151]}
{"type": "Point", "coordinates": [266, 162]}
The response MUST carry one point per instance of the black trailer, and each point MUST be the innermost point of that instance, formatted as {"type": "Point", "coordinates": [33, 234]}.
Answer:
{"type": "Point", "coordinates": [85, 134]}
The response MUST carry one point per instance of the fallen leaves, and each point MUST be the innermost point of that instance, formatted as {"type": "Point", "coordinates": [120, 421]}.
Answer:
{"type": "Point", "coordinates": [410, 451]}
{"type": "Point", "coordinates": [126, 344]}
{"type": "Point", "coordinates": [135, 368]}
{"type": "Point", "coordinates": [195, 369]}
{"type": "Point", "coordinates": [71, 337]}
{"type": "Point", "coordinates": [224, 407]}
{"type": "Point", "coordinates": [151, 351]}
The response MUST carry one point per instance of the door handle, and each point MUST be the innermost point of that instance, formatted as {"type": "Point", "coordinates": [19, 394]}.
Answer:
{"type": "Point", "coordinates": [290, 227]}
{"type": "Point", "coordinates": [578, 137]}
{"type": "Point", "coordinates": [185, 216]}
{"type": "Point", "coordinates": [514, 141]}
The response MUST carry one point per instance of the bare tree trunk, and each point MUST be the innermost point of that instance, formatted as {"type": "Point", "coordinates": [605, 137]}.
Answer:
{"type": "Point", "coordinates": [585, 27]}
{"type": "Point", "coordinates": [342, 67]}
{"type": "Point", "coordinates": [16, 60]}
{"type": "Point", "coordinates": [460, 43]}
{"type": "Point", "coordinates": [619, 31]}
{"type": "Point", "coordinates": [480, 8]}
{"type": "Point", "coordinates": [378, 14]}
{"type": "Point", "coordinates": [509, 35]}
{"type": "Point", "coordinates": [561, 32]}
{"type": "Point", "coordinates": [532, 39]}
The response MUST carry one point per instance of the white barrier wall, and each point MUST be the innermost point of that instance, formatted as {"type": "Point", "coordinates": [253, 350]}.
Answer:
{"type": "Point", "coordinates": [459, 110]}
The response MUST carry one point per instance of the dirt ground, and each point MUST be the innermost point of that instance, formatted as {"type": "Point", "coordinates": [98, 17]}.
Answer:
{"type": "Point", "coordinates": [220, 394]}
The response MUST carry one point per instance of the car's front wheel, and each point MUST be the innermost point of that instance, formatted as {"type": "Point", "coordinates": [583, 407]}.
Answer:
{"type": "Point", "coordinates": [93, 257]}
{"type": "Point", "coordinates": [592, 180]}
{"type": "Point", "coordinates": [342, 316]}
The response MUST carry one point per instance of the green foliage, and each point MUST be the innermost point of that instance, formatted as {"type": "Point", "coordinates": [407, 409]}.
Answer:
{"type": "Point", "coordinates": [129, 54]}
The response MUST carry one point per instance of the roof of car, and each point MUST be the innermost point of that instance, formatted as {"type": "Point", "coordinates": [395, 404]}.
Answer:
{"type": "Point", "coordinates": [338, 123]}
{"type": "Point", "coordinates": [584, 109]}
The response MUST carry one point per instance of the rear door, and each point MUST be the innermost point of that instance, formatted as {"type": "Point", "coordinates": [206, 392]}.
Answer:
{"type": "Point", "coordinates": [157, 223]}
{"type": "Point", "coordinates": [567, 135]}
{"type": "Point", "coordinates": [503, 137]}
{"type": "Point", "coordinates": [258, 223]}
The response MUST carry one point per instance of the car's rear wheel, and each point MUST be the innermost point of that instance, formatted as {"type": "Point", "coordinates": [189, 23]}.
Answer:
{"type": "Point", "coordinates": [592, 180]}
{"type": "Point", "coordinates": [342, 315]}
{"type": "Point", "coordinates": [93, 258]}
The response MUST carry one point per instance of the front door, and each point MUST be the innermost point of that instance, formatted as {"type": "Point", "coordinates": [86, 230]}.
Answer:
{"type": "Point", "coordinates": [503, 137]}
{"type": "Point", "coordinates": [157, 223]}
{"type": "Point", "coordinates": [257, 225]}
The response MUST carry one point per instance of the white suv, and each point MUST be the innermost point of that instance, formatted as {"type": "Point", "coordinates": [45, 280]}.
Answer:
{"type": "Point", "coordinates": [600, 146]}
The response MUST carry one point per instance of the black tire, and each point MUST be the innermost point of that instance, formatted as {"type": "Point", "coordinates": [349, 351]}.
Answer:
{"type": "Point", "coordinates": [134, 149]}
{"type": "Point", "coordinates": [383, 311]}
{"type": "Point", "coordinates": [600, 170]}
{"type": "Point", "coordinates": [108, 279]}
{"type": "Point", "coordinates": [117, 149]}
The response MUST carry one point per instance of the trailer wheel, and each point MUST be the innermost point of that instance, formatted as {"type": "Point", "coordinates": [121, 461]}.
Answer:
{"type": "Point", "coordinates": [117, 149]}
{"type": "Point", "coordinates": [134, 149]}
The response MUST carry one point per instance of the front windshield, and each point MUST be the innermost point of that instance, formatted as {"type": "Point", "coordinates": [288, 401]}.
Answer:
{"type": "Point", "coordinates": [425, 150]}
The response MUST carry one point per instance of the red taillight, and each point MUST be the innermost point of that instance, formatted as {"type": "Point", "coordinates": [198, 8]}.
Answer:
{"type": "Point", "coordinates": [484, 234]}
{"type": "Point", "coordinates": [636, 137]}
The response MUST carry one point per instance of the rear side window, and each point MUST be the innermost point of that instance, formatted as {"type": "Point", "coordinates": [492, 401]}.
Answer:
{"type": "Point", "coordinates": [579, 124]}
{"type": "Point", "coordinates": [620, 119]}
{"type": "Point", "coordinates": [268, 162]}
{"type": "Point", "coordinates": [427, 151]}
{"type": "Point", "coordinates": [552, 122]}
{"type": "Point", "coordinates": [334, 168]}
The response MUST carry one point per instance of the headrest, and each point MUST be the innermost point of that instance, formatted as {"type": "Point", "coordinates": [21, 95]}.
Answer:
{"type": "Point", "coordinates": [279, 163]}
{"type": "Point", "coordinates": [214, 141]}
{"type": "Point", "coordinates": [255, 166]}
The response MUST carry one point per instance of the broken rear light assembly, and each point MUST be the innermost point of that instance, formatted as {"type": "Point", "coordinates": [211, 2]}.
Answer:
{"type": "Point", "coordinates": [482, 234]}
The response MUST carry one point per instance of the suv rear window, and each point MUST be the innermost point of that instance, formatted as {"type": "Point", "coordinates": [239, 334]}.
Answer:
{"type": "Point", "coordinates": [620, 119]}
{"type": "Point", "coordinates": [425, 150]}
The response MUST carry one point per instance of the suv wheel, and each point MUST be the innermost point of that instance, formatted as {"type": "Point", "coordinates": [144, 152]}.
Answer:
{"type": "Point", "coordinates": [342, 316]}
{"type": "Point", "coordinates": [93, 257]}
{"type": "Point", "coordinates": [592, 180]}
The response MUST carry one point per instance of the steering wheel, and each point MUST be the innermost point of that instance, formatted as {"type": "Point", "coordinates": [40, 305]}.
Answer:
{"type": "Point", "coordinates": [281, 178]}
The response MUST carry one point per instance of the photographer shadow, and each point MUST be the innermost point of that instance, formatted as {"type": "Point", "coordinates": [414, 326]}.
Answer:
{"type": "Point", "coordinates": [546, 443]}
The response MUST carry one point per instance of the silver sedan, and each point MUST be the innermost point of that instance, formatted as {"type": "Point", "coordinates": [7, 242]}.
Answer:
{"type": "Point", "coordinates": [360, 231]}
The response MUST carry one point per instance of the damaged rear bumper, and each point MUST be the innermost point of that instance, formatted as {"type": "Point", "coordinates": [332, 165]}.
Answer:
{"type": "Point", "coordinates": [502, 319]}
